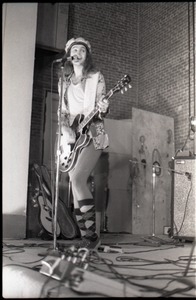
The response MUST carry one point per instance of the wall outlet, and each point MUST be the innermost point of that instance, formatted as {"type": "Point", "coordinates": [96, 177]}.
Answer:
{"type": "Point", "coordinates": [166, 230]}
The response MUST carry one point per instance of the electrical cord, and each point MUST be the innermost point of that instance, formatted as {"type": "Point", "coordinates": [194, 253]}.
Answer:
{"type": "Point", "coordinates": [164, 276]}
{"type": "Point", "coordinates": [182, 149]}
{"type": "Point", "coordinates": [146, 251]}
{"type": "Point", "coordinates": [95, 261]}
{"type": "Point", "coordinates": [185, 209]}
{"type": "Point", "coordinates": [14, 249]}
{"type": "Point", "coordinates": [117, 275]}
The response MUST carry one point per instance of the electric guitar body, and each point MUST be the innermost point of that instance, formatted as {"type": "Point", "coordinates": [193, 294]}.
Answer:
{"type": "Point", "coordinates": [65, 224]}
{"type": "Point", "coordinates": [43, 198]}
{"type": "Point", "coordinates": [46, 215]}
{"type": "Point", "coordinates": [69, 151]}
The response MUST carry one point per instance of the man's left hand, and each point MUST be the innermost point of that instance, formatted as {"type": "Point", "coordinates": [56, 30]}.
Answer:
{"type": "Point", "coordinates": [103, 105]}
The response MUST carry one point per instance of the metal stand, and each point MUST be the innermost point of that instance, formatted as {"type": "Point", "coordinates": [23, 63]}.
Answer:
{"type": "Point", "coordinates": [151, 240]}
{"type": "Point", "coordinates": [55, 251]}
{"type": "Point", "coordinates": [155, 172]}
{"type": "Point", "coordinates": [153, 199]}
{"type": "Point", "coordinates": [57, 163]}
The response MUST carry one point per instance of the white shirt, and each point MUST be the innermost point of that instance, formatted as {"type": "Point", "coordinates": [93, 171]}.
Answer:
{"type": "Point", "coordinates": [75, 95]}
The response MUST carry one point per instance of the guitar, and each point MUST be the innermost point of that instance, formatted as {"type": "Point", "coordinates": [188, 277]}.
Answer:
{"type": "Point", "coordinates": [46, 217]}
{"type": "Point", "coordinates": [69, 151]}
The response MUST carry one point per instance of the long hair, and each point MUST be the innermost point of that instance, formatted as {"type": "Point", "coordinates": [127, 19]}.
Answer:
{"type": "Point", "coordinates": [88, 67]}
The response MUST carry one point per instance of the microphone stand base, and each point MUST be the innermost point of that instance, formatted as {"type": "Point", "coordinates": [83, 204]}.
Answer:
{"type": "Point", "coordinates": [51, 252]}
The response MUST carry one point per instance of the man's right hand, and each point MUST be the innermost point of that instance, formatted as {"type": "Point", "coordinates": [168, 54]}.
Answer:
{"type": "Point", "coordinates": [67, 135]}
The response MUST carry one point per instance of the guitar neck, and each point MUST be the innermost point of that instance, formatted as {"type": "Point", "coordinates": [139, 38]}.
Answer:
{"type": "Point", "coordinates": [92, 114]}
{"type": "Point", "coordinates": [121, 84]}
{"type": "Point", "coordinates": [40, 183]}
{"type": "Point", "coordinates": [87, 119]}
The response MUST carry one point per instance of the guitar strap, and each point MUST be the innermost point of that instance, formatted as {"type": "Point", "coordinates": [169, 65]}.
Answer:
{"type": "Point", "coordinates": [90, 93]}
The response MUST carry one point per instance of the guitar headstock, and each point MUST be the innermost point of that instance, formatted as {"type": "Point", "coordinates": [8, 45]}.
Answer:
{"type": "Point", "coordinates": [123, 84]}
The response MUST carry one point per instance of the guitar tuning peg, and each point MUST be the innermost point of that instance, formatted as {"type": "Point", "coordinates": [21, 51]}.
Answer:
{"type": "Point", "coordinates": [130, 86]}
{"type": "Point", "coordinates": [122, 92]}
{"type": "Point", "coordinates": [125, 88]}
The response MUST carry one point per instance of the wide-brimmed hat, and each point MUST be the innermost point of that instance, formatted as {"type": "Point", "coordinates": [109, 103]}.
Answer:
{"type": "Point", "coordinates": [80, 41]}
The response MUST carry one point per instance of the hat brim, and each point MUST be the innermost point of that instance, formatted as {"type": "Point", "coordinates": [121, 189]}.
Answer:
{"type": "Point", "coordinates": [78, 43]}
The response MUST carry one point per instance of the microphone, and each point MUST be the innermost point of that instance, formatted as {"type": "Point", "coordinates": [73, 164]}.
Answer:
{"type": "Point", "coordinates": [63, 59]}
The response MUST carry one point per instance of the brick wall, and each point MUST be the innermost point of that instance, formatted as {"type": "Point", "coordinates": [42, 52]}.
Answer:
{"type": "Point", "coordinates": [111, 29]}
{"type": "Point", "coordinates": [148, 41]}
{"type": "Point", "coordinates": [43, 82]}
{"type": "Point", "coordinates": [164, 71]}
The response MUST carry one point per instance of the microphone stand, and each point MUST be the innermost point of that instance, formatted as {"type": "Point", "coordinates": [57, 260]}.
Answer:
{"type": "Point", "coordinates": [168, 169]}
{"type": "Point", "coordinates": [153, 199]}
{"type": "Point", "coordinates": [57, 163]}
{"type": "Point", "coordinates": [55, 250]}
{"type": "Point", "coordinates": [152, 239]}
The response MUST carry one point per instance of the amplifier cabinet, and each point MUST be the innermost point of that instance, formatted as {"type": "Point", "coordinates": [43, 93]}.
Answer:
{"type": "Point", "coordinates": [183, 216]}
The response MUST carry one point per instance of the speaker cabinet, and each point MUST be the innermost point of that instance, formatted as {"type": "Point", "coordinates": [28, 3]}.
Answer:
{"type": "Point", "coordinates": [183, 224]}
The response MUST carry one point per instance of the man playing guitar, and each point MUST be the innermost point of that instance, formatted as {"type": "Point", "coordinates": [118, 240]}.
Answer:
{"type": "Point", "coordinates": [83, 91]}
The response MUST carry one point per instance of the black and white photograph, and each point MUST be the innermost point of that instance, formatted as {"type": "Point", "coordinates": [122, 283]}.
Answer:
{"type": "Point", "coordinates": [99, 149]}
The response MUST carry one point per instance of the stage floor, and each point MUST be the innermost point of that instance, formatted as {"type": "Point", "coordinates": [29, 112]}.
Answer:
{"type": "Point", "coordinates": [125, 265]}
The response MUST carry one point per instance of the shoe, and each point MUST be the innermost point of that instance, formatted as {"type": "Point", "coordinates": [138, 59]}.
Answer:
{"type": "Point", "coordinates": [91, 245]}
